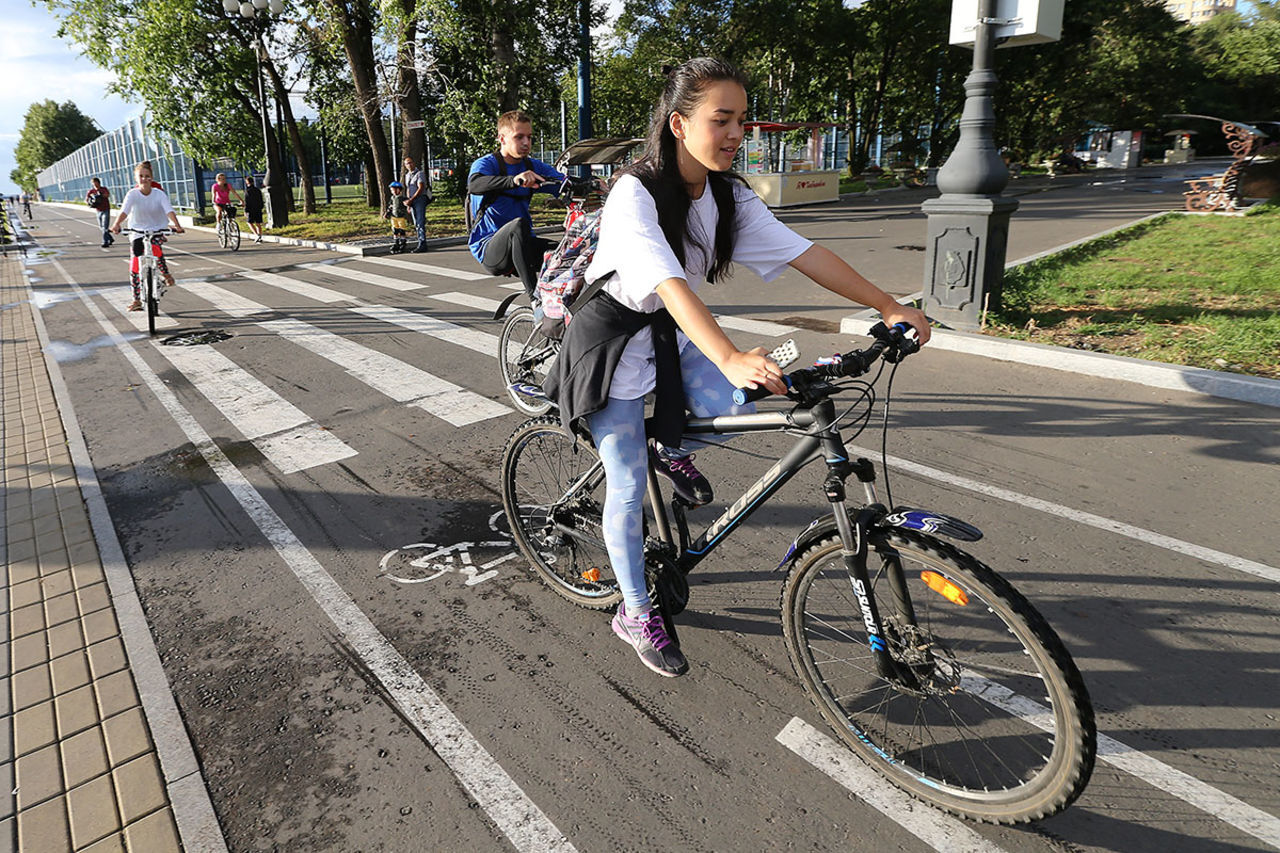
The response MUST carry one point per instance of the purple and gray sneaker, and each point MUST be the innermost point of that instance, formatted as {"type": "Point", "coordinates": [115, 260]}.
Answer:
{"type": "Point", "coordinates": [648, 636]}
{"type": "Point", "coordinates": [687, 481]}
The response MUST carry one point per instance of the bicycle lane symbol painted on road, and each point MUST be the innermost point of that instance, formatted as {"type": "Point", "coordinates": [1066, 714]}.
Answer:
{"type": "Point", "coordinates": [425, 561]}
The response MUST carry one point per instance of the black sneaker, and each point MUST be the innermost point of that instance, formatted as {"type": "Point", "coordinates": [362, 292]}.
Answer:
{"type": "Point", "coordinates": [687, 481]}
{"type": "Point", "coordinates": [648, 636]}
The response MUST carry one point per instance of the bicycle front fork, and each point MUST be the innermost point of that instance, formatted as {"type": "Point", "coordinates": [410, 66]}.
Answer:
{"type": "Point", "coordinates": [853, 538]}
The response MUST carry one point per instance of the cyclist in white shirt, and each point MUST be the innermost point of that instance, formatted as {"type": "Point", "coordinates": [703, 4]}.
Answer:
{"type": "Point", "coordinates": [676, 218]}
{"type": "Point", "coordinates": [147, 208]}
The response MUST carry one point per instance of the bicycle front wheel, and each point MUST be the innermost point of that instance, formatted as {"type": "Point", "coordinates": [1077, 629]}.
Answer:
{"type": "Point", "coordinates": [553, 495]}
{"type": "Point", "coordinates": [153, 302]}
{"type": "Point", "coordinates": [233, 235]}
{"type": "Point", "coordinates": [524, 354]}
{"type": "Point", "coordinates": [991, 720]}
{"type": "Point", "coordinates": [222, 234]}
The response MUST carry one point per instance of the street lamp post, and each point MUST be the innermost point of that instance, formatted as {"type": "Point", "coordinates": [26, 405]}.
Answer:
{"type": "Point", "coordinates": [275, 185]}
{"type": "Point", "coordinates": [968, 227]}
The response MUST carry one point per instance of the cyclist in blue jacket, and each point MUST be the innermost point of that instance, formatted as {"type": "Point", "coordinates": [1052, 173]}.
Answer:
{"type": "Point", "coordinates": [501, 185]}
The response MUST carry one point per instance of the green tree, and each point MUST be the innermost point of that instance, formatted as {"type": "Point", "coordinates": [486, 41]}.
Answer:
{"type": "Point", "coordinates": [50, 132]}
{"type": "Point", "coordinates": [188, 61]}
{"type": "Point", "coordinates": [490, 56]}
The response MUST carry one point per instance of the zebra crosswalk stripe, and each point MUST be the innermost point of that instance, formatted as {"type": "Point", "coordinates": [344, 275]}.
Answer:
{"type": "Point", "coordinates": [481, 342]}
{"type": "Point", "coordinates": [293, 285]}
{"type": "Point", "coordinates": [363, 277]}
{"type": "Point", "coordinates": [391, 376]}
{"type": "Point", "coordinates": [284, 434]}
{"type": "Point", "coordinates": [429, 269]}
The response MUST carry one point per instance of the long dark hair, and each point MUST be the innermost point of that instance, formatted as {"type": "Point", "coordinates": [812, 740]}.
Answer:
{"type": "Point", "coordinates": [659, 169]}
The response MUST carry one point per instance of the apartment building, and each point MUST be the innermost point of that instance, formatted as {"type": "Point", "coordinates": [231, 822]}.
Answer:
{"type": "Point", "coordinates": [1198, 11]}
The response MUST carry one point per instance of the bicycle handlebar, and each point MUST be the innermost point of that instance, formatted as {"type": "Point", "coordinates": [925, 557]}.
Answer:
{"type": "Point", "coordinates": [894, 343]}
{"type": "Point", "coordinates": [149, 231]}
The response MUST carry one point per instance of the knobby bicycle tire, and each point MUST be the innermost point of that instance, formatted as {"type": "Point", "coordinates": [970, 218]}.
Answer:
{"type": "Point", "coordinates": [153, 303]}
{"type": "Point", "coordinates": [233, 235]}
{"type": "Point", "coordinates": [222, 234]}
{"type": "Point", "coordinates": [563, 540]}
{"type": "Point", "coordinates": [523, 355]}
{"type": "Point", "coordinates": [970, 735]}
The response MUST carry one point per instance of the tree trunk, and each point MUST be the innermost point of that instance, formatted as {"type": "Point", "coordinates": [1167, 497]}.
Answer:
{"type": "Point", "coordinates": [871, 126]}
{"type": "Point", "coordinates": [503, 49]}
{"type": "Point", "coordinates": [408, 87]}
{"type": "Point", "coordinates": [354, 21]}
{"type": "Point", "coordinates": [371, 195]}
{"type": "Point", "coordinates": [295, 140]}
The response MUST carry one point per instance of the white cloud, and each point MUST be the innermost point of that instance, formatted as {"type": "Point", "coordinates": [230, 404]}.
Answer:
{"type": "Point", "coordinates": [40, 66]}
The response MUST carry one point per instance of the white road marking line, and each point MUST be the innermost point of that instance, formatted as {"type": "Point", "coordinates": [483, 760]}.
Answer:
{"type": "Point", "coordinates": [469, 300]}
{"type": "Point", "coordinates": [226, 301]}
{"type": "Point", "coordinates": [363, 277]}
{"type": "Point", "coordinates": [516, 286]}
{"type": "Point", "coordinates": [139, 318]}
{"type": "Point", "coordinates": [755, 327]}
{"type": "Point", "coordinates": [429, 269]}
{"type": "Point", "coordinates": [518, 817]}
{"type": "Point", "coordinates": [284, 434]}
{"type": "Point", "coordinates": [481, 342]}
{"type": "Point", "coordinates": [391, 376]}
{"type": "Point", "coordinates": [1155, 773]}
{"type": "Point", "coordinates": [935, 828]}
{"type": "Point", "coordinates": [293, 285]}
{"type": "Point", "coordinates": [1199, 552]}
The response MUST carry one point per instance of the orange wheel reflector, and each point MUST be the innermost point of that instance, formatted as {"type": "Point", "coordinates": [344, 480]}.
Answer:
{"type": "Point", "coordinates": [945, 588]}
{"type": "Point", "coordinates": [592, 575]}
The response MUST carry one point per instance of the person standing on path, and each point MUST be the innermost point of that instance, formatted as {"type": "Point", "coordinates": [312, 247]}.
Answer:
{"type": "Point", "coordinates": [99, 198]}
{"type": "Point", "coordinates": [417, 197]}
{"type": "Point", "coordinates": [253, 204]}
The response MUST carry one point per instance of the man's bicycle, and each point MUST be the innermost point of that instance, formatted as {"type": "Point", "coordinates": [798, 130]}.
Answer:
{"type": "Point", "coordinates": [228, 228]}
{"type": "Point", "coordinates": [151, 282]}
{"type": "Point", "coordinates": [524, 352]}
{"type": "Point", "coordinates": [924, 661]}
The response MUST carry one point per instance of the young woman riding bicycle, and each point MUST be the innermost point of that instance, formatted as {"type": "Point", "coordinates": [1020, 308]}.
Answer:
{"type": "Point", "coordinates": [147, 208]}
{"type": "Point", "coordinates": [674, 219]}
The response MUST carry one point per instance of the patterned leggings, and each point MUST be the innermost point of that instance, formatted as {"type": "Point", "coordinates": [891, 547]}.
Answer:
{"type": "Point", "coordinates": [618, 431]}
{"type": "Point", "coordinates": [135, 263]}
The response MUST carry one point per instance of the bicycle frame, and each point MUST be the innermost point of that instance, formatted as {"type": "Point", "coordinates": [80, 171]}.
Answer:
{"type": "Point", "coordinates": [821, 440]}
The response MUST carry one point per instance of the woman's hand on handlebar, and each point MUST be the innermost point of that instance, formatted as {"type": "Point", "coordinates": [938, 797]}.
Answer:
{"type": "Point", "coordinates": [752, 369]}
{"type": "Point", "coordinates": [913, 317]}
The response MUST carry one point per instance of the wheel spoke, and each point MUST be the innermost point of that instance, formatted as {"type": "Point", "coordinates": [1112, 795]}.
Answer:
{"type": "Point", "coordinates": [959, 732]}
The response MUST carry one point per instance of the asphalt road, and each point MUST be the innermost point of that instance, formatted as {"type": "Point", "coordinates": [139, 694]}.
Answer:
{"type": "Point", "coordinates": [313, 522]}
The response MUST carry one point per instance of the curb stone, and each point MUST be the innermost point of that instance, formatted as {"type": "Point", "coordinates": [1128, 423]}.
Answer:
{"type": "Point", "coordinates": [1172, 377]}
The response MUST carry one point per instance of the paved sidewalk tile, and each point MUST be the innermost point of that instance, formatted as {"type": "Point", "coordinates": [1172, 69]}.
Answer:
{"type": "Point", "coordinates": [78, 767]}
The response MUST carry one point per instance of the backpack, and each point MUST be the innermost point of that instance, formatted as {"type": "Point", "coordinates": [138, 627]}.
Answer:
{"type": "Point", "coordinates": [562, 281]}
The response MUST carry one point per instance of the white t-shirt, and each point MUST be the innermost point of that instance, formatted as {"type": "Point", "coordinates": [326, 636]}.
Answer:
{"type": "Point", "coordinates": [147, 212]}
{"type": "Point", "coordinates": [632, 246]}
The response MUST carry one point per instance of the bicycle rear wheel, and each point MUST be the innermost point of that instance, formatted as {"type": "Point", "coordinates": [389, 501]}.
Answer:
{"type": "Point", "coordinates": [994, 721]}
{"type": "Point", "coordinates": [553, 494]}
{"type": "Point", "coordinates": [153, 303]}
{"type": "Point", "coordinates": [524, 354]}
{"type": "Point", "coordinates": [233, 235]}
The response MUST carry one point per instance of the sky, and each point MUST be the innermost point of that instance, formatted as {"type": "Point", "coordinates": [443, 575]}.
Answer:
{"type": "Point", "coordinates": [38, 66]}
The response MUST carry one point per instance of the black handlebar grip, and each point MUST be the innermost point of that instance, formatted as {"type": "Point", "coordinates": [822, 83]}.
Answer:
{"type": "Point", "coordinates": [742, 396]}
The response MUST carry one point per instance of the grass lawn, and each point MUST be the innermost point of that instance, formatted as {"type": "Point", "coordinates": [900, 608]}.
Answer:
{"type": "Point", "coordinates": [344, 221]}
{"type": "Point", "coordinates": [1196, 290]}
